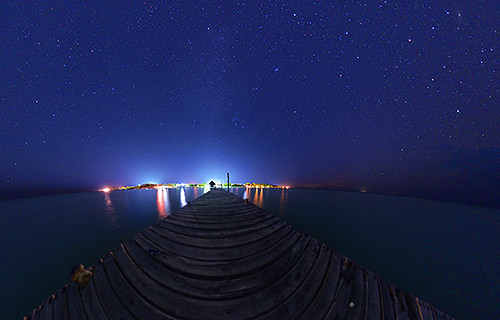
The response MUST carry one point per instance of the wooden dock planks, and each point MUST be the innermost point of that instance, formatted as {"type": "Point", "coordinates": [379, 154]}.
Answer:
{"type": "Point", "coordinates": [222, 258]}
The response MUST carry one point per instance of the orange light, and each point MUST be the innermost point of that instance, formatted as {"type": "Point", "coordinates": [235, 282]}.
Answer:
{"type": "Point", "coordinates": [106, 190]}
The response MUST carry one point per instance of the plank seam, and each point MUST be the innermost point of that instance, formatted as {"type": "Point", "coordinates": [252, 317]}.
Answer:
{"type": "Point", "coordinates": [218, 236]}
{"type": "Point", "coordinates": [99, 300]}
{"type": "Point", "coordinates": [296, 289]}
{"type": "Point", "coordinates": [320, 290]}
{"type": "Point", "coordinates": [114, 291]}
{"type": "Point", "coordinates": [138, 292]}
{"type": "Point", "coordinates": [242, 274]}
{"type": "Point", "coordinates": [274, 244]}
{"type": "Point", "coordinates": [220, 247]}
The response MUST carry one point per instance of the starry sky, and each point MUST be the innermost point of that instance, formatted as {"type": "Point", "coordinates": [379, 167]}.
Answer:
{"type": "Point", "coordinates": [398, 97]}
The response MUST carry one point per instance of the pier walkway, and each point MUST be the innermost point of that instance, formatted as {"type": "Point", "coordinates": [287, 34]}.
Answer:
{"type": "Point", "coordinates": [222, 258]}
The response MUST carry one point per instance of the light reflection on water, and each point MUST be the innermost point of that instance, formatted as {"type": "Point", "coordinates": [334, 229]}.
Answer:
{"type": "Point", "coordinates": [162, 202]}
{"type": "Point", "coordinates": [110, 213]}
{"type": "Point", "coordinates": [206, 188]}
{"type": "Point", "coordinates": [183, 197]}
{"type": "Point", "coordinates": [283, 199]}
{"type": "Point", "coordinates": [196, 193]}
{"type": "Point", "coordinates": [256, 196]}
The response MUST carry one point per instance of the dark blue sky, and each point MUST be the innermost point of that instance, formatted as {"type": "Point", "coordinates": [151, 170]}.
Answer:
{"type": "Point", "coordinates": [382, 96]}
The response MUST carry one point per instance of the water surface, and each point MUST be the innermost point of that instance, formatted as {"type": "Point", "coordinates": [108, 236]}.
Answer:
{"type": "Point", "coordinates": [445, 253]}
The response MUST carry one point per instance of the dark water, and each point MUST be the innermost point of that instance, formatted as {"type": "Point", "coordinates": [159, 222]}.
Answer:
{"type": "Point", "coordinates": [445, 253]}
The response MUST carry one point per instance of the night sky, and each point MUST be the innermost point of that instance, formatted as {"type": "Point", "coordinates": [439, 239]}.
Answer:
{"type": "Point", "coordinates": [379, 96]}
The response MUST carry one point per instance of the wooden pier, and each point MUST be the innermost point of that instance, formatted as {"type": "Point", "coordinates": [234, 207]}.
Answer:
{"type": "Point", "coordinates": [220, 257]}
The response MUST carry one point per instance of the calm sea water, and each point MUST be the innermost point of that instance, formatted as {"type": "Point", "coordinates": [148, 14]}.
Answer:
{"type": "Point", "coordinates": [445, 253]}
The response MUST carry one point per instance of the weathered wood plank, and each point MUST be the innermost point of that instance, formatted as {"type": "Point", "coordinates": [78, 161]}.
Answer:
{"type": "Point", "coordinates": [326, 296]}
{"type": "Point", "coordinates": [304, 292]}
{"type": "Point", "coordinates": [60, 305]}
{"type": "Point", "coordinates": [386, 301]}
{"type": "Point", "coordinates": [206, 269]}
{"type": "Point", "coordinates": [74, 303]}
{"type": "Point", "coordinates": [372, 300]}
{"type": "Point", "coordinates": [424, 309]}
{"type": "Point", "coordinates": [342, 295]}
{"type": "Point", "coordinates": [150, 291]}
{"type": "Point", "coordinates": [91, 303]}
{"type": "Point", "coordinates": [45, 310]}
{"type": "Point", "coordinates": [231, 269]}
{"type": "Point", "coordinates": [125, 291]}
{"type": "Point", "coordinates": [357, 303]}
{"type": "Point", "coordinates": [111, 304]}
{"type": "Point", "coordinates": [212, 253]}
{"type": "Point", "coordinates": [213, 231]}
{"type": "Point", "coordinates": [201, 216]}
{"type": "Point", "coordinates": [241, 239]}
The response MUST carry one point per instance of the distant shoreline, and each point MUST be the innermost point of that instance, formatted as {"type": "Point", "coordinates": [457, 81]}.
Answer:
{"type": "Point", "coordinates": [24, 193]}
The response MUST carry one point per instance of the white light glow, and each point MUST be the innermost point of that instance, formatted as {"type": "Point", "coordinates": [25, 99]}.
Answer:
{"type": "Point", "coordinates": [183, 197]}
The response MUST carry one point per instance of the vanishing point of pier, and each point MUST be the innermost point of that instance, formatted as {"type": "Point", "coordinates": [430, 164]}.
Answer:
{"type": "Point", "coordinates": [220, 257]}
